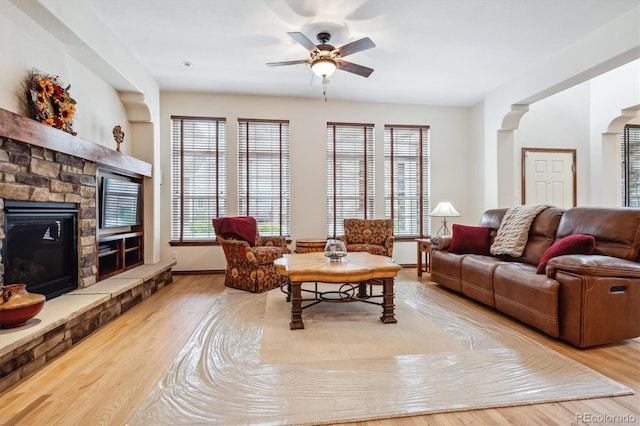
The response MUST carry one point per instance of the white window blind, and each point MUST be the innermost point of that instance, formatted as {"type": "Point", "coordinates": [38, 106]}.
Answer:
{"type": "Point", "coordinates": [406, 186]}
{"type": "Point", "coordinates": [631, 166]}
{"type": "Point", "coordinates": [198, 177]}
{"type": "Point", "coordinates": [264, 174]}
{"type": "Point", "coordinates": [350, 172]}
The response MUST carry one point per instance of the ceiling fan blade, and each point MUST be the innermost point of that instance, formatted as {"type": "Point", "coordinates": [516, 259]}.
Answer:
{"type": "Point", "coordinates": [303, 40]}
{"type": "Point", "coordinates": [279, 64]}
{"type": "Point", "coordinates": [355, 68]}
{"type": "Point", "coordinates": [356, 46]}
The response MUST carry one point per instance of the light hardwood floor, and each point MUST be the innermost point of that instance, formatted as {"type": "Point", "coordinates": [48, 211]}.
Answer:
{"type": "Point", "coordinates": [103, 379]}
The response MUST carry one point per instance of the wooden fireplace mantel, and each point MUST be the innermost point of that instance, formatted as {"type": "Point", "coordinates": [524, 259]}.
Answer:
{"type": "Point", "coordinates": [32, 132]}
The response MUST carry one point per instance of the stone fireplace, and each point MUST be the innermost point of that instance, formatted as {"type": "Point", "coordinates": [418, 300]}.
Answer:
{"type": "Point", "coordinates": [35, 174]}
{"type": "Point", "coordinates": [41, 164]}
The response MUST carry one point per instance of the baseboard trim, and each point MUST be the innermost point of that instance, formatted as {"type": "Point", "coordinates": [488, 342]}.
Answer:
{"type": "Point", "coordinates": [200, 272]}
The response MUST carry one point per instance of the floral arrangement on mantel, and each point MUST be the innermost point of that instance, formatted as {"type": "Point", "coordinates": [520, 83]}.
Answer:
{"type": "Point", "coordinates": [49, 101]}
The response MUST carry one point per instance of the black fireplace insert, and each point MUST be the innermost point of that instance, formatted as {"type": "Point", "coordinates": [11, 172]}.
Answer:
{"type": "Point", "coordinates": [40, 246]}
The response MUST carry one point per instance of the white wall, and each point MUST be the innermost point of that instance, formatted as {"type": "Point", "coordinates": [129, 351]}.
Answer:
{"type": "Point", "coordinates": [25, 45]}
{"type": "Point", "coordinates": [580, 118]}
{"type": "Point", "coordinates": [111, 88]}
{"type": "Point", "coordinates": [476, 176]}
{"type": "Point", "coordinates": [560, 121]}
{"type": "Point", "coordinates": [615, 101]}
{"type": "Point", "coordinates": [450, 159]}
{"type": "Point", "coordinates": [606, 49]}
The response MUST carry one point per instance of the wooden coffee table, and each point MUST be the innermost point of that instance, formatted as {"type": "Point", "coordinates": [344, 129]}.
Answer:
{"type": "Point", "coordinates": [356, 272]}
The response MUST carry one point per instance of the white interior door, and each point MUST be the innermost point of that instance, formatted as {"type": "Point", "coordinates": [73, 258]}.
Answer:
{"type": "Point", "coordinates": [549, 177]}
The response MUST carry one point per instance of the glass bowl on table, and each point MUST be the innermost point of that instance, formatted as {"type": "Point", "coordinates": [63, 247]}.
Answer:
{"type": "Point", "coordinates": [335, 250]}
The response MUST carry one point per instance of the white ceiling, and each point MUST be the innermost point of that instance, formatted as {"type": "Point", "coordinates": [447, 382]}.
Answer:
{"type": "Point", "coordinates": [434, 52]}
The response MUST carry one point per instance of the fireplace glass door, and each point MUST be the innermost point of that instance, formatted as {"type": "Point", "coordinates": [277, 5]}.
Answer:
{"type": "Point", "coordinates": [40, 246]}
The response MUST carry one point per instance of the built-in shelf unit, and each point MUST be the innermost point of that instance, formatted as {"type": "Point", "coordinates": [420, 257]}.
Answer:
{"type": "Point", "coordinates": [119, 252]}
{"type": "Point", "coordinates": [120, 239]}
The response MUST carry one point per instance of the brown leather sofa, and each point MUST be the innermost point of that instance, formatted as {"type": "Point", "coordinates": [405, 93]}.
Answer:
{"type": "Point", "coordinates": [585, 300]}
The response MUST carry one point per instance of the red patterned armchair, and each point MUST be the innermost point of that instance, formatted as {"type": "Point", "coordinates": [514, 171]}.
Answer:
{"type": "Point", "coordinates": [371, 235]}
{"type": "Point", "coordinates": [249, 259]}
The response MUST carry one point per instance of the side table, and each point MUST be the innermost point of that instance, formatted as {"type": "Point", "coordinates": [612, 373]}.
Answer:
{"type": "Point", "coordinates": [310, 245]}
{"type": "Point", "coordinates": [424, 246]}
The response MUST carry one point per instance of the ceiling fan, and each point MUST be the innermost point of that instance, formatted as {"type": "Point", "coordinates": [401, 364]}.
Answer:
{"type": "Point", "coordinates": [325, 59]}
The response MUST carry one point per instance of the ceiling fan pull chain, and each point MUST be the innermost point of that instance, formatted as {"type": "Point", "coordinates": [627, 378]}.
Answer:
{"type": "Point", "coordinates": [324, 88]}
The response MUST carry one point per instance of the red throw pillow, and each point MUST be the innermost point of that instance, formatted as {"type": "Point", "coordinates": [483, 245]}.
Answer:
{"type": "Point", "coordinates": [571, 244]}
{"type": "Point", "coordinates": [470, 239]}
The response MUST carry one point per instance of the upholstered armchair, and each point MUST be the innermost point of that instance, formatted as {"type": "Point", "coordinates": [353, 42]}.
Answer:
{"type": "Point", "coordinates": [249, 259]}
{"type": "Point", "coordinates": [371, 235]}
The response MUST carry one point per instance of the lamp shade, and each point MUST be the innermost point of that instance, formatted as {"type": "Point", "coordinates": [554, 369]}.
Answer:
{"type": "Point", "coordinates": [323, 67]}
{"type": "Point", "coordinates": [445, 209]}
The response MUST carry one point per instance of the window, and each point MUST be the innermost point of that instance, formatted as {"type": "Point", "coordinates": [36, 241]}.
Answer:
{"type": "Point", "coordinates": [264, 174]}
{"type": "Point", "coordinates": [406, 186]}
{"type": "Point", "coordinates": [349, 174]}
{"type": "Point", "coordinates": [198, 177]}
{"type": "Point", "coordinates": [631, 166]}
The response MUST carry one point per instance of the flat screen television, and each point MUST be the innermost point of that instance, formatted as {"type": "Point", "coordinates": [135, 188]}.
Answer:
{"type": "Point", "coordinates": [120, 203]}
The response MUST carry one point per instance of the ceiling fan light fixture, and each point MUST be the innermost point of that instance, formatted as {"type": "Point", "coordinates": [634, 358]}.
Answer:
{"type": "Point", "coordinates": [323, 67]}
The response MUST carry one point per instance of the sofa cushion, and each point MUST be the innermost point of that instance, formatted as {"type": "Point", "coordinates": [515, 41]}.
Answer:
{"type": "Point", "coordinates": [571, 244]}
{"type": "Point", "coordinates": [367, 231]}
{"type": "Point", "coordinates": [542, 235]}
{"type": "Point", "coordinates": [520, 292]}
{"type": "Point", "coordinates": [513, 233]}
{"type": "Point", "coordinates": [445, 269]}
{"type": "Point", "coordinates": [492, 218]}
{"type": "Point", "coordinates": [266, 255]}
{"type": "Point", "coordinates": [476, 277]}
{"type": "Point", "coordinates": [616, 229]}
{"type": "Point", "coordinates": [470, 239]}
{"type": "Point", "coordinates": [369, 248]}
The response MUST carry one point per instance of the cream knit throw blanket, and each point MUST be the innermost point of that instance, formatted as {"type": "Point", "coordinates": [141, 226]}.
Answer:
{"type": "Point", "coordinates": [513, 233]}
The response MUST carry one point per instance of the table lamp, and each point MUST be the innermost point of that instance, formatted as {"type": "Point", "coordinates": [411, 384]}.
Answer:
{"type": "Point", "coordinates": [444, 210]}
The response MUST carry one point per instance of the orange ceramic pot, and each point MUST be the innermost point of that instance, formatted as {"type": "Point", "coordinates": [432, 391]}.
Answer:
{"type": "Point", "coordinates": [17, 305]}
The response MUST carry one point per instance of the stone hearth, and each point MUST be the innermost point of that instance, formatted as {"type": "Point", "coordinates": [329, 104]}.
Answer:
{"type": "Point", "coordinates": [67, 319]}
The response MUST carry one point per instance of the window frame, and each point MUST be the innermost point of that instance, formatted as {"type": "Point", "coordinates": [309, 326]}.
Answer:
{"type": "Point", "coordinates": [178, 185]}
{"type": "Point", "coordinates": [249, 152]}
{"type": "Point", "coordinates": [630, 169]}
{"type": "Point", "coordinates": [366, 182]}
{"type": "Point", "coordinates": [423, 159]}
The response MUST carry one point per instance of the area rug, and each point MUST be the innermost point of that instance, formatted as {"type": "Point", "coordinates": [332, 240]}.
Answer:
{"type": "Point", "coordinates": [243, 365]}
